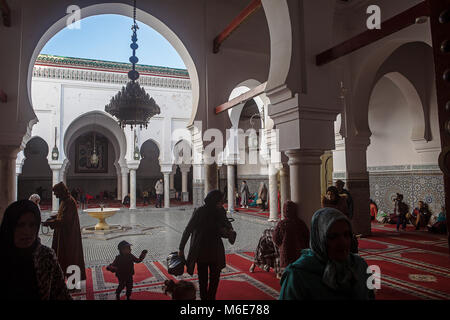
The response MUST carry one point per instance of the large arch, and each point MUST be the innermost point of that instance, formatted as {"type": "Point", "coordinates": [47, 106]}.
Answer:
{"type": "Point", "coordinates": [370, 61]}
{"type": "Point", "coordinates": [414, 102]}
{"type": "Point", "coordinates": [143, 17]}
{"type": "Point", "coordinates": [100, 122]}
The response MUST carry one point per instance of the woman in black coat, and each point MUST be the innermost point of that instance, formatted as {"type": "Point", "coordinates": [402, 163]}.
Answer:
{"type": "Point", "coordinates": [207, 226]}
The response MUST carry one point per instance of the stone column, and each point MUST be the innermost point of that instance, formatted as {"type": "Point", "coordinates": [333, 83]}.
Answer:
{"type": "Point", "coordinates": [166, 189]}
{"type": "Point", "coordinates": [357, 183]}
{"type": "Point", "coordinates": [211, 177]}
{"type": "Point", "coordinates": [8, 155]}
{"type": "Point", "coordinates": [184, 182]}
{"type": "Point", "coordinates": [124, 183]}
{"type": "Point", "coordinates": [231, 187]}
{"type": "Point", "coordinates": [119, 186]}
{"type": "Point", "coordinates": [55, 180]}
{"type": "Point", "coordinates": [273, 192]}
{"type": "Point", "coordinates": [132, 189]}
{"type": "Point", "coordinates": [304, 169]}
{"type": "Point", "coordinates": [285, 192]}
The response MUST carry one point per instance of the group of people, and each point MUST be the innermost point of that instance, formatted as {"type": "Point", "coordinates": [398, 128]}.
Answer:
{"type": "Point", "coordinates": [318, 263]}
{"type": "Point", "coordinates": [420, 217]}
{"type": "Point", "coordinates": [244, 198]}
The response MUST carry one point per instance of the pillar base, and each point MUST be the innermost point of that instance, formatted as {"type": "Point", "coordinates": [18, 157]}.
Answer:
{"type": "Point", "coordinates": [185, 196]}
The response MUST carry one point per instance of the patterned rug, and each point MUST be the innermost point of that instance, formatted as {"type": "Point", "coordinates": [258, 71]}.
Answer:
{"type": "Point", "coordinates": [415, 265]}
{"type": "Point", "coordinates": [150, 276]}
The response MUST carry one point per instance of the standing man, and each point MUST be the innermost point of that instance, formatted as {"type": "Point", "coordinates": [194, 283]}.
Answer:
{"type": "Point", "coordinates": [346, 195]}
{"type": "Point", "coordinates": [245, 194]}
{"type": "Point", "coordinates": [67, 235]}
{"type": "Point", "coordinates": [262, 194]}
{"type": "Point", "coordinates": [400, 210]}
{"type": "Point", "coordinates": [159, 188]}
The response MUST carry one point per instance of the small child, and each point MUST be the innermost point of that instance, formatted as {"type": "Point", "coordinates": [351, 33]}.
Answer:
{"type": "Point", "coordinates": [182, 290]}
{"type": "Point", "coordinates": [123, 267]}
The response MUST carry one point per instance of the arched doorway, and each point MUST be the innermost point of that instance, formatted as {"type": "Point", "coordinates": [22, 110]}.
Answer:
{"type": "Point", "coordinates": [149, 170]}
{"type": "Point", "coordinates": [96, 179]}
{"type": "Point", "coordinates": [36, 174]}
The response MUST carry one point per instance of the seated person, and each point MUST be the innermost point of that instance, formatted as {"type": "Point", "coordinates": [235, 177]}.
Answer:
{"type": "Point", "coordinates": [253, 198]}
{"type": "Point", "coordinates": [420, 216]}
{"type": "Point", "coordinates": [440, 224]}
{"type": "Point", "coordinates": [126, 200]}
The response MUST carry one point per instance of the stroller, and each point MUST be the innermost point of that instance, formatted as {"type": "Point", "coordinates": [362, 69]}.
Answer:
{"type": "Point", "coordinates": [267, 255]}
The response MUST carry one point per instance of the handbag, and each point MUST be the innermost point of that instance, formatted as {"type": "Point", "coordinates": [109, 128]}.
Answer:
{"type": "Point", "coordinates": [258, 201]}
{"type": "Point", "coordinates": [175, 264]}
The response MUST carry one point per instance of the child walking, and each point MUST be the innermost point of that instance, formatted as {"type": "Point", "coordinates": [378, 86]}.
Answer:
{"type": "Point", "coordinates": [123, 267]}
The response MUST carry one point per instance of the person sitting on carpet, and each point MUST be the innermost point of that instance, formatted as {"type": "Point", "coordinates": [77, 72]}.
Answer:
{"type": "Point", "coordinates": [126, 200]}
{"type": "Point", "coordinates": [328, 270]}
{"type": "Point", "coordinates": [291, 235]}
{"type": "Point", "coordinates": [28, 269]}
{"type": "Point", "coordinates": [373, 209]}
{"type": "Point", "coordinates": [420, 216]}
{"type": "Point", "coordinates": [181, 290]}
{"type": "Point", "coordinates": [123, 267]}
{"type": "Point", "coordinates": [440, 225]}
{"type": "Point", "coordinates": [333, 200]}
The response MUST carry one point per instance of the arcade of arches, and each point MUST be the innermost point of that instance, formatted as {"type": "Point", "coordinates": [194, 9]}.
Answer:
{"type": "Point", "coordinates": [373, 117]}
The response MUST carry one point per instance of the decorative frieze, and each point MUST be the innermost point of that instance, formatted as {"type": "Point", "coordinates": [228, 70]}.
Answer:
{"type": "Point", "coordinates": [108, 77]}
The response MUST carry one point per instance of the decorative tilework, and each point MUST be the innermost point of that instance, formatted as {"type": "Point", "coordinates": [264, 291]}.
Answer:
{"type": "Point", "coordinates": [414, 186]}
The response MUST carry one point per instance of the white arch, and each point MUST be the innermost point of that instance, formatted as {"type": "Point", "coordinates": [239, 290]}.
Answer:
{"type": "Point", "coordinates": [100, 122]}
{"type": "Point", "coordinates": [235, 113]}
{"type": "Point", "coordinates": [280, 30]}
{"type": "Point", "coordinates": [142, 16]}
{"type": "Point", "coordinates": [412, 97]}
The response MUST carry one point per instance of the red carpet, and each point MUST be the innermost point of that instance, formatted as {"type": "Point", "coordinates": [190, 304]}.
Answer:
{"type": "Point", "coordinates": [415, 265]}
{"type": "Point", "coordinates": [150, 276]}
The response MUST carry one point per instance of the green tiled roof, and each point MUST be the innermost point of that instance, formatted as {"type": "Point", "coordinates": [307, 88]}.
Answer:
{"type": "Point", "coordinates": [108, 65]}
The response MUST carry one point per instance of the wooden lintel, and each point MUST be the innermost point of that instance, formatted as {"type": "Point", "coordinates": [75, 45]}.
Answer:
{"type": "Point", "coordinates": [242, 98]}
{"type": "Point", "coordinates": [251, 8]}
{"type": "Point", "coordinates": [6, 13]}
{"type": "Point", "coordinates": [388, 27]}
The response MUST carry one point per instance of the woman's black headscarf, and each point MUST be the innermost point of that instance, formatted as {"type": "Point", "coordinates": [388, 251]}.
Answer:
{"type": "Point", "coordinates": [12, 215]}
{"type": "Point", "coordinates": [17, 270]}
{"type": "Point", "coordinates": [213, 198]}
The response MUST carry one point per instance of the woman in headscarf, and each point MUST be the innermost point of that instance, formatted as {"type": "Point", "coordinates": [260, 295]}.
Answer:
{"type": "Point", "coordinates": [327, 271]}
{"type": "Point", "coordinates": [207, 226]}
{"type": "Point", "coordinates": [291, 235]}
{"type": "Point", "coordinates": [28, 270]}
{"type": "Point", "coordinates": [333, 200]}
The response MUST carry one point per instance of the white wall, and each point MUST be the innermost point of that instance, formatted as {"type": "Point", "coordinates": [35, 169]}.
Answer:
{"type": "Point", "coordinates": [390, 121]}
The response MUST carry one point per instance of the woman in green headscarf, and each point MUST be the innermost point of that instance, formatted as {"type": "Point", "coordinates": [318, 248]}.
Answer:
{"type": "Point", "coordinates": [327, 271]}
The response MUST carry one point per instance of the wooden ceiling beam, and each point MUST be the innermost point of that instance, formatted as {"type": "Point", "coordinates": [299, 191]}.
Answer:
{"type": "Point", "coordinates": [247, 12]}
{"type": "Point", "coordinates": [242, 98]}
{"type": "Point", "coordinates": [388, 27]}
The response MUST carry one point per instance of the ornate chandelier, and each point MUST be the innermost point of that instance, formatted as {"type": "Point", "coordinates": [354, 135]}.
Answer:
{"type": "Point", "coordinates": [132, 105]}
{"type": "Point", "coordinates": [94, 157]}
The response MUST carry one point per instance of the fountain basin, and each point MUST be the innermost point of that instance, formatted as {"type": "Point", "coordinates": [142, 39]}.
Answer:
{"type": "Point", "coordinates": [101, 215]}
